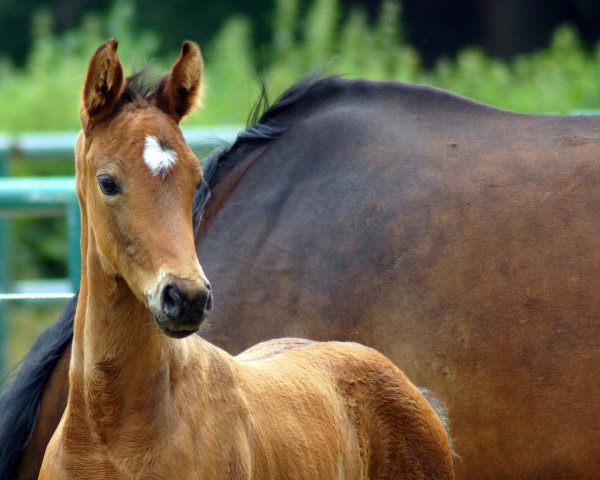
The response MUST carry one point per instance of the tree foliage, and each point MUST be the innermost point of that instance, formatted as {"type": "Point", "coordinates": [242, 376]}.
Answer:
{"type": "Point", "coordinates": [42, 94]}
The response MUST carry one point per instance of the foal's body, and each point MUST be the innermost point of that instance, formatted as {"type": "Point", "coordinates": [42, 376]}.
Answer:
{"type": "Point", "coordinates": [144, 404]}
{"type": "Point", "coordinates": [287, 414]}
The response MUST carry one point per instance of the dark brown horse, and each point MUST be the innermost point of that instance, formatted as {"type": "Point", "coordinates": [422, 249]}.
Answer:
{"type": "Point", "coordinates": [460, 240]}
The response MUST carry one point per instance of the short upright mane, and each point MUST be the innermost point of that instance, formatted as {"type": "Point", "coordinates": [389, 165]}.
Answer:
{"type": "Point", "coordinates": [140, 86]}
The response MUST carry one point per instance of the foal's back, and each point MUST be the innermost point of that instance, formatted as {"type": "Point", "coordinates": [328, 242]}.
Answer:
{"type": "Point", "coordinates": [353, 414]}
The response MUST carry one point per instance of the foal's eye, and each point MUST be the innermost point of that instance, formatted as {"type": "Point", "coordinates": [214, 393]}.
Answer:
{"type": "Point", "coordinates": [108, 185]}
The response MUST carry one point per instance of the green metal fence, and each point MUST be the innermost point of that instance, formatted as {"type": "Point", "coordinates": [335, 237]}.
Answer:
{"type": "Point", "coordinates": [40, 196]}
{"type": "Point", "coordinates": [4, 272]}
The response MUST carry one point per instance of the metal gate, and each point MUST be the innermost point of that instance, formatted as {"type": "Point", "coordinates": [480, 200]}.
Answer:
{"type": "Point", "coordinates": [39, 196]}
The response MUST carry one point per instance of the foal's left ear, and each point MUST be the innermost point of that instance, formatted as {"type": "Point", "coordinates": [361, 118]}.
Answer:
{"type": "Point", "coordinates": [103, 84]}
{"type": "Point", "coordinates": [179, 89]}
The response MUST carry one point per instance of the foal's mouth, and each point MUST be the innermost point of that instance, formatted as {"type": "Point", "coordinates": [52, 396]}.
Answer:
{"type": "Point", "coordinates": [177, 331]}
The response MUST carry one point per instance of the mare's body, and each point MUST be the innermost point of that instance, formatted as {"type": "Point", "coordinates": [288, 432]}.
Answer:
{"type": "Point", "coordinates": [460, 240]}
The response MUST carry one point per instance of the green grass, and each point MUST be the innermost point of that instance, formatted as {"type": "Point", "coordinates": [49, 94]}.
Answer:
{"type": "Point", "coordinates": [25, 324]}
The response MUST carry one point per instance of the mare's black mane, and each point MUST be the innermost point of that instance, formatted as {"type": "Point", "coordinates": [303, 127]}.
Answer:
{"type": "Point", "coordinates": [20, 399]}
{"type": "Point", "coordinates": [263, 127]}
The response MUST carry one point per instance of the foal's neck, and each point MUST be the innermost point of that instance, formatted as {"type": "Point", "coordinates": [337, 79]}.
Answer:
{"type": "Point", "coordinates": [119, 357]}
{"type": "Point", "coordinates": [113, 328]}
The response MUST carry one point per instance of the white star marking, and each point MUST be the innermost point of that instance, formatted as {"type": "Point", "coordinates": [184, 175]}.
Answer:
{"type": "Point", "coordinates": [158, 159]}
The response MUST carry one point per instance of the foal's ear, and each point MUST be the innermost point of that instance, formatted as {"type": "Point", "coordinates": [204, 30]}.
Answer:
{"type": "Point", "coordinates": [103, 84]}
{"type": "Point", "coordinates": [179, 89]}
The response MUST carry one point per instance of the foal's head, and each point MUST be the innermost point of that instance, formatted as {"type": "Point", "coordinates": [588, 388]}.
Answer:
{"type": "Point", "coordinates": [136, 179]}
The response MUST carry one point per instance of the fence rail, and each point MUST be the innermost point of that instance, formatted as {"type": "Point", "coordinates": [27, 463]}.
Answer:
{"type": "Point", "coordinates": [40, 196]}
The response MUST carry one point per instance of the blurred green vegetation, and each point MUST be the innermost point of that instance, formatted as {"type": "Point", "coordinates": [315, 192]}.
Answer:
{"type": "Point", "coordinates": [43, 94]}
{"type": "Point", "coordinates": [26, 323]}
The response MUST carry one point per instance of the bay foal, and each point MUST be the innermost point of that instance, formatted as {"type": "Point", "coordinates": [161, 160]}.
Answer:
{"type": "Point", "coordinates": [149, 400]}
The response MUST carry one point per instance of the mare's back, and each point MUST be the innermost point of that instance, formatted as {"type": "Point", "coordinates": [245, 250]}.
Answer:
{"type": "Point", "coordinates": [459, 240]}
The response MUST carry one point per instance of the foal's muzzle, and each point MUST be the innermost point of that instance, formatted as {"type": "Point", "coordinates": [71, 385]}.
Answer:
{"type": "Point", "coordinates": [179, 306]}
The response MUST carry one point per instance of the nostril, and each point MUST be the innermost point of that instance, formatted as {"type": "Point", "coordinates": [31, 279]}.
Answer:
{"type": "Point", "coordinates": [202, 302]}
{"type": "Point", "coordinates": [209, 302]}
{"type": "Point", "coordinates": [171, 300]}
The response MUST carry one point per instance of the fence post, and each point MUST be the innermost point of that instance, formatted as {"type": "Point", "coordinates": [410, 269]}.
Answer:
{"type": "Point", "coordinates": [73, 232]}
{"type": "Point", "coordinates": [4, 261]}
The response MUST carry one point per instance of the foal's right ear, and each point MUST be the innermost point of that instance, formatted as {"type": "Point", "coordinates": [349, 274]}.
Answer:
{"type": "Point", "coordinates": [103, 84]}
{"type": "Point", "coordinates": [177, 93]}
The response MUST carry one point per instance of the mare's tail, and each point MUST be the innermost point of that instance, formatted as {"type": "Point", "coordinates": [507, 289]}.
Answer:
{"type": "Point", "coordinates": [20, 399]}
{"type": "Point", "coordinates": [442, 412]}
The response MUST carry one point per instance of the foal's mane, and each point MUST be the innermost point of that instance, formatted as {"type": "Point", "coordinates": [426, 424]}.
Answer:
{"type": "Point", "coordinates": [141, 86]}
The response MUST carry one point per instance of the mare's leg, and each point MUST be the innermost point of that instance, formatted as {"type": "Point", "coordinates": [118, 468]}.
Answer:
{"type": "Point", "coordinates": [54, 401]}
